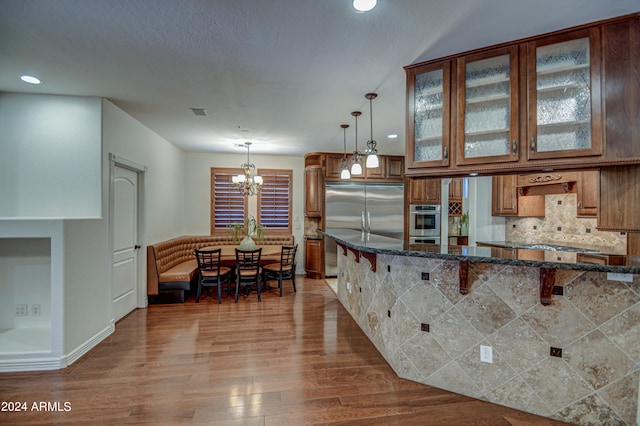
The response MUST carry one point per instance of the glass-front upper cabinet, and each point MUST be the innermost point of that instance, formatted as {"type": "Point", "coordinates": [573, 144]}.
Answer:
{"type": "Point", "coordinates": [563, 82]}
{"type": "Point", "coordinates": [487, 127]}
{"type": "Point", "coordinates": [429, 115]}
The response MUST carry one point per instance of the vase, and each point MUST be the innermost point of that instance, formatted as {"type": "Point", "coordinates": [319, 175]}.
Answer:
{"type": "Point", "coordinates": [247, 243]}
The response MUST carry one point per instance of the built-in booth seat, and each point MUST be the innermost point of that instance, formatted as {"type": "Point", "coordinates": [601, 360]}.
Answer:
{"type": "Point", "coordinates": [172, 268]}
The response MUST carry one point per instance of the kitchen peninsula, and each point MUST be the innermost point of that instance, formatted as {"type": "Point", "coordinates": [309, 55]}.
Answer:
{"type": "Point", "coordinates": [561, 336]}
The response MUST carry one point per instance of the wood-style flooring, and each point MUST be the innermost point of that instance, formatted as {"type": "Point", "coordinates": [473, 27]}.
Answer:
{"type": "Point", "coordinates": [295, 360]}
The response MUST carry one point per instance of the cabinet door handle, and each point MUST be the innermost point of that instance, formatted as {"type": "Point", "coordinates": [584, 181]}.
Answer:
{"type": "Point", "coordinates": [579, 204]}
{"type": "Point", "coordinates": [533, 145]}
{"type": "Point", "coordinates": [446, 153]}
{"type": "Point", "coordinates": [515, 147]}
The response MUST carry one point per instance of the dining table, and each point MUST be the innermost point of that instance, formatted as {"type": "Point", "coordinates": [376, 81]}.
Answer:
{"type": "Point", "coordinates": [270, 254]}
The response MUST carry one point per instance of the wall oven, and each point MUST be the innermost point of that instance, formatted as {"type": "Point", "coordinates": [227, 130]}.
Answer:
{"type": "Point", "coordinates": [424, 220]}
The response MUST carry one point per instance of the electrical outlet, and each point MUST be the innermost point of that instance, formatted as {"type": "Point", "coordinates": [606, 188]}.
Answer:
{"type": "Point", "coordinates": [21, 310]}
{"type": "Point", "coordinates": [35, 310]}
{"type": "Point", "coordinates": [616, 276]}
{"type": "Point", "coordinates": [486, 354]}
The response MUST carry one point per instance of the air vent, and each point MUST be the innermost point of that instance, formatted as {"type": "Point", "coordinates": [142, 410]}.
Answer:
{"type": "Point", "coordinates": [199, 111]}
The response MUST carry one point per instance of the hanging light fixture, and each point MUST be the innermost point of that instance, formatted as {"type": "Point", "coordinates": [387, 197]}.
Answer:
{"type": "Point", "coordinates": [372, 153]}
{"type": "Point", "coordinates": [248, 182]}
{"type": "Point", "coordinates": [345, 174]}
{"type": "Point", "coordinates": [356, 165]}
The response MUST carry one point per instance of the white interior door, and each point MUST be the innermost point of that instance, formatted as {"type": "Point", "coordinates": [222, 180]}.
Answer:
{"type": "Point", "coordinates": [125, 242]}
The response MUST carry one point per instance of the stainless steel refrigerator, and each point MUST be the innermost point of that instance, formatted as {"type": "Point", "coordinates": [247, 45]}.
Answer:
{"type": "Point", "coordinates": [369, 208]}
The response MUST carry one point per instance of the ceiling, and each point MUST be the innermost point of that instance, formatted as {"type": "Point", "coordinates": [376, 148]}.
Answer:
{"type": "Point", "coordinates": [283, 74]}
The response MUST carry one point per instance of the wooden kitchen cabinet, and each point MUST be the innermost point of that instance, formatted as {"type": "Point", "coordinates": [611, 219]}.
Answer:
{"type": "Point", "coordinates": [564, 112]}
{"type": "Point", "coordinates": [487, 97]}
{"type": "Point", "coordinates": [334, 165]}
{"type": "Point", "coordinates": [546, 102]}
{"type": "Point", "coordinates": [455, 190]}
{"type": "Point", "coordinates": [391, 168]}
{"type": "Point", "coordinates": [619, 199]}
{"type": "Point", "coordinates": [313, 191]}
{"type": "Point", "coordinates": [423, 191]}
{"type": "Point", "coordinates": [588, 193]}
{"type": "Point", "coordinates": [504, 199]}
{"type": "Point", "coordinates": [395, 167]}
{"type": "Point", "coordinates": [429, 115]}
{"type": "Point", "coordinates": [314, 253]}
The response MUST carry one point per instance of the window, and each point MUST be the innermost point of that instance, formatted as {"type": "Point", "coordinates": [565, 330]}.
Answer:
{"type": "Point", "coordinates": [274, 200]}
{"type": "Point", "coordinates": [228, 205]}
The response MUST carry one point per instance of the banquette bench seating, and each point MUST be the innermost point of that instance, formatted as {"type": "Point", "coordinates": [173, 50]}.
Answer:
{"type": "Point", "coordinates": [172, 267]}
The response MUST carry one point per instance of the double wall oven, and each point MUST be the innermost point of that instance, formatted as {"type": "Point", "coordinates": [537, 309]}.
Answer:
{"type": "Point", "coordinates": [424, 224]}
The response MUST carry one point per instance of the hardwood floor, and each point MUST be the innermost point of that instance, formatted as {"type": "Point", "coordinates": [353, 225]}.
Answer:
{"type": "Point", "coordinates": [295, 360]}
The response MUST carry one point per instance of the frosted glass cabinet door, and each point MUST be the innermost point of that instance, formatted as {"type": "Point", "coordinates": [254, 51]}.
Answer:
{"type": "Point", "coordinates": [488, 107]}
{"type": "Point", "coordinates": [428, 94]}
{"type": "Point", "coordinates": [564, 96]}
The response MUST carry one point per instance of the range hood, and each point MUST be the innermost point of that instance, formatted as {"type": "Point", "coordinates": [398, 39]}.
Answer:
{"type": "Point", "coordinates": [547, 183]}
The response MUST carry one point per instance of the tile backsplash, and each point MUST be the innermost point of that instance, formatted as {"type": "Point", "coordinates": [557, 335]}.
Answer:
{"type": "Point", "coordinates": [561, 226]}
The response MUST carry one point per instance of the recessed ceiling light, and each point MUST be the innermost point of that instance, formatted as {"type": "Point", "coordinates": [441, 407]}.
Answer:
{"type": "Point", "coordinates": [364, 5]}
{"type": "Point", "coordinates": [393, 136]}
{"type": "Point", "coordinates": [30, 79]}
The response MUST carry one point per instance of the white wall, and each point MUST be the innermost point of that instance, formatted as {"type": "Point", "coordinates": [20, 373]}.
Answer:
{"type": "Point", "coordinates": [165, 177]}
{"type": "Point", "coordinates": [482, 225]}
{"type": "Point", "coordinates": [49, 156]}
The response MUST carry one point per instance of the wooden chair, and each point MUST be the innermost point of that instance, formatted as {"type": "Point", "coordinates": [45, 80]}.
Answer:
{"type": "Point", "coordinates": [211, 273]}
{"type": "Point", "coordinates": [248, 271]}
{"type": "Point", "coordinates": [283, 270]}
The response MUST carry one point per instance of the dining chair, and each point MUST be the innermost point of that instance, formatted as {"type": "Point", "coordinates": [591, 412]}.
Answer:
{"type": "Point", "coordinates": [283, 270]}
{"type": "Point", "coordinates": [248, 271]}
{"type": "Point", "coordinates": [211, 273]}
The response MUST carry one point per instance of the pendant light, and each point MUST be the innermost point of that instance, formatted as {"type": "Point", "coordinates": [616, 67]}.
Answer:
{"type": "Point", "coordinates": [372, 153]}
{"type": "Point", "coordinates": [356, 165]}
{"type": "Point", "coordinates": [345, 174]}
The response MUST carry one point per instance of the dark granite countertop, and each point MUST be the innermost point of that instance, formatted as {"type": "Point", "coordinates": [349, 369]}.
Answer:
{"type": "Point", "coordinates": [535, 258]}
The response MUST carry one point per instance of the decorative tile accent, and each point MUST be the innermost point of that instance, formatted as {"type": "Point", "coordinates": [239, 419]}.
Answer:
{"type": "Point", "coordinates": [485, 310]}
{"type": "Point", "coordinates": [452, 378]}
{"type": "Point", "coordinates": [624, 330]}
{"type": "Point", "coordinates": [591, 410]}
{"type": "Point", "coordinates": [600, 299]}
{"type": "Point", "coordinates": [560, 212]}
{"type": "Point", "coordinates": [486, 376]}
{"type": "Point", "coordinates": [426, 302]}
{"type": "Point", "coordinates": [425, 353]}
{"type": "Point", "coordinates": [450, 324]}
{"type": "Point", "coordinates": [556, 382]}
{"type": "Point", "coordinates": [512, 285]}
{"type": "Point", "coordinates": [620, 397]}
{"type": "Point", "coordinates": [559, 323]}
{"type": "Point", "coordinates": [516, 393]}
{"type": "Point", "coordinates": [519, 345]}
{"type": "Point", "coordinates": [598, 360]}
{"type": "Point", "coordinates": [596, 323]}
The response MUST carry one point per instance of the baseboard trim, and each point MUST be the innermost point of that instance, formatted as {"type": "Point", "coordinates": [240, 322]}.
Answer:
{"type": "Point", "coordinates": [81, 350]}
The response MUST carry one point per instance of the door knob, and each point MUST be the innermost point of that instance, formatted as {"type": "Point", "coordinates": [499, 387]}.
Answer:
{"type": "Point", "coordinates": [136, 247]}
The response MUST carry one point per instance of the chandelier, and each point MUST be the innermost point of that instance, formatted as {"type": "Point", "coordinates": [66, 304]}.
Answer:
{"type": "Point", "coordinates": [248, 183]}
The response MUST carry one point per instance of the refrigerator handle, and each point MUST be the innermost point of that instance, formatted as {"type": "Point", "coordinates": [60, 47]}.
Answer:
{"type": "Point", "coordinates": [363, 225]}
{"type": "Point", "coordinates": [368, 221]}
